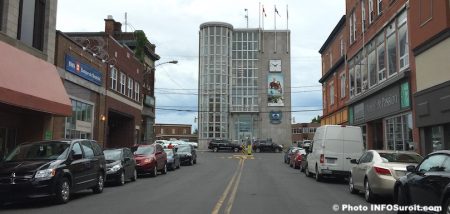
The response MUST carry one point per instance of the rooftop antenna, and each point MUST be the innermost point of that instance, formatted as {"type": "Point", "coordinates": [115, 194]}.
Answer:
{"type": "Point", "coordinates": [126, 24]}
{"type": "Point", "coordinates": [246, 15]}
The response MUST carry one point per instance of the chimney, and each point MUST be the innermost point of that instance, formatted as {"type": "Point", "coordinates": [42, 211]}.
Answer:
{"type": "Point", "coordinates": [112, 26]}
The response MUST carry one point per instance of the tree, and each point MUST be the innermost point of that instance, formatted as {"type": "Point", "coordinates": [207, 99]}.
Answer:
{"type": "Point", "coordinates": [195, 131]}
{"type": "Point", "coordinates": [316, 119]}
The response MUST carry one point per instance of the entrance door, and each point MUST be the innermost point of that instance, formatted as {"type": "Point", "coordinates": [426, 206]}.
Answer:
{"type": "Point", "coordinates": [378, 135]}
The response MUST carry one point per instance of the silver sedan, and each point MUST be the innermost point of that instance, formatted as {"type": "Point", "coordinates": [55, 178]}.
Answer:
{"type": "Point", "coordinates": [376, 171]}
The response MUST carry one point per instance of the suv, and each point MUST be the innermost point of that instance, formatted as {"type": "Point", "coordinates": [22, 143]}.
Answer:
{"type": "Point", "coordinates": [52, 168]}
{"type": "Point", "coordinates": [266, 146]}
{"type": "Point", "coordinates": [216, 145]}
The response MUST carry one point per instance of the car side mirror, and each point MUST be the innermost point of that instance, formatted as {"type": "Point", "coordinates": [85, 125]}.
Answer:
{"type": "Point", "coordinates": [127, 158]}
{"type": "Point", "coordinates": [354, 161]}
{"type": "Point", "coordinates": [158, 153]}
{"type": "Point", "coordinates": [411, 168]}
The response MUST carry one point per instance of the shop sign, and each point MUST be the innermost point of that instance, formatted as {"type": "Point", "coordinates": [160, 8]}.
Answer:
{"type": "Point", "coordinates": [382, 104]}
{"type": "Point", "coordinates": [358, 113]}
{"type": "Point", "coordinates": [83, 126]}
{"type": "Point", "coordinates": [405, 95]}
{"type": "Point", "coordinates": [275, 117]}
{"type": "Point", "coordinates": [48, 135]}
{"type": "Point", "coordinates": [83, 70]}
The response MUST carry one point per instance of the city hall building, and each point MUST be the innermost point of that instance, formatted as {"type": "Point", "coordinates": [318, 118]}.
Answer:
{"type": "Point", "coordinates": [244, 84]}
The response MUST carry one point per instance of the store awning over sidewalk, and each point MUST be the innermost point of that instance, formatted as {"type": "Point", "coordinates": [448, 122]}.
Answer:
{"type": "Point", "coordinates": [29, 82]}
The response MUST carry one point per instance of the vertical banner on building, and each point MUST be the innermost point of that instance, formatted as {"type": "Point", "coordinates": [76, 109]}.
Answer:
{"type": "Point", "coordinates": [275, 89]}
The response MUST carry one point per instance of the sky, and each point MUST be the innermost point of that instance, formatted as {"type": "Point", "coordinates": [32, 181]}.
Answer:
{"type": "Point", "coordinates": [173, 26]}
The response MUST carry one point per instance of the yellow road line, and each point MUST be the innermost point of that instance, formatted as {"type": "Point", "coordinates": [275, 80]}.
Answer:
{"type": "Point", "coordinates": [233, 193]}
{"type": "Point", "coordinates": [225, 193]}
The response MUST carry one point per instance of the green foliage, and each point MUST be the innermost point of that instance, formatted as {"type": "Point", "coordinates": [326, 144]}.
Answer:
{"type": "Point", "coordinates": [141, 40]}
{"type": "Point", "coordinates": [316, 119]}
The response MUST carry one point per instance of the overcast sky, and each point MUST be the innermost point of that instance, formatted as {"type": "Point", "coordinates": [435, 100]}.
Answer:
{"type": "Point", "coordinates": [173, 25]}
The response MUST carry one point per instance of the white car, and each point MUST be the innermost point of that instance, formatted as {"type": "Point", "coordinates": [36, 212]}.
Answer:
{"type": "Point", "coordinates": [165, 143]}
{"type": "Point", "coordinates": [332, 149]}
{"type": "Point", "coordinates": [187, 142]}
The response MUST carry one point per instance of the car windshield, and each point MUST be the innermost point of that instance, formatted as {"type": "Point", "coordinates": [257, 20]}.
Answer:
{"type": "Point", "coordinates": [400, 157]}
{"type": "Point", "coordinates": [184, 149]}
{"type": "Point", "coordinates": [112, 154]}
{"type": "Point", "coordinates": [39, 151]}
{"type": "Point", "coordinates": [144, 150]}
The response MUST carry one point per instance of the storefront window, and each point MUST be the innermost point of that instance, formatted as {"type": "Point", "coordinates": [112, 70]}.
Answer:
{"type": "Point", "coordinates": [437, 138]}
{"type": "Point", "coordinates": [399, 132]}
{"type": "Point", "coordinates": [80, 124]}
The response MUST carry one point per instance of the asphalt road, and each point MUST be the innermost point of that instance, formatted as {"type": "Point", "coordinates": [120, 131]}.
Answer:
{"type": "Point", "coordinates": [218, 183]}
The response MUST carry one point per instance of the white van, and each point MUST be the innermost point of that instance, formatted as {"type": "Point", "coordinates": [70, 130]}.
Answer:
{"type": "Point", "coordinates": [332, 149]}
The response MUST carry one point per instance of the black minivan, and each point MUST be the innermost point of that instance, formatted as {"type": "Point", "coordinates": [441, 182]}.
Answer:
{"type": "Point", "coordinates": [52, 169]}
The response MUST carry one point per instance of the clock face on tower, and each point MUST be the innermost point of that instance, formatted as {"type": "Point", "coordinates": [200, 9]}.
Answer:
{"type": "Point", "coordinates": [275, 65]}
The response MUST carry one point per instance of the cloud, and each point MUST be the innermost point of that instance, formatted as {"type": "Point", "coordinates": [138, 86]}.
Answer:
{"type": "Point", "coordinates": [173, 26]}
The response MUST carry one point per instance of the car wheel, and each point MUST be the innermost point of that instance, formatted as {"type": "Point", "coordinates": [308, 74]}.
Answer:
{"type": "Point", "coordinates": [154, 172]}
{"type": "Point", "coordinates": [164, 170]}
{"type": "Point", "coordinates": [121, 180]}
{"type": "Point", "coordinates": [134, 178]}
{"type": "Point", "coordinates": [258, 150]}
{"type": "Point", "coordinates": [179, 164]}
{"type": "Point", "coordinates": [195, 161]}
{"type": "Point", "coordinates": [173, 166]}
{"type": "Point", "coordinates": [215, 149]}
{"type": "Point", "coordinates": [100, 183]}
{"type": "Point", "coordinates": [236, 150]}
{"type": "Point", "coordinates": [368, 194]}
{"type": "Point", "coordinates": [317, 176]}
{"type": "Point", "coordinates": [277, 150]}
{"type": "Point", "coordinates": [62, 195]}
{"type": "Point", "coordinates": [191, 162]}
{"type": "Point", "coordinates": [307, 172]}
{"type": "Point", "coordinates": [351, 187]}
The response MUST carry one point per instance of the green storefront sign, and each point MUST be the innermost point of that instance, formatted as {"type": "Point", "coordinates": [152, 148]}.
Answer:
{"type": "Point", "coordinates": [48, 135]}
{"type": "Point", "coordinates": [404, 95]}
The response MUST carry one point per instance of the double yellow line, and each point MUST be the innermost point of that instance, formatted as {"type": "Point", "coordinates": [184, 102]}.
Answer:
{"type": "Point", "coordinates": [233, 186]}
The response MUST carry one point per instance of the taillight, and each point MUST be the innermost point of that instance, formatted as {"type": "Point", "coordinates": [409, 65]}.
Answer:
{"type": "Point", "coordinates": [382, 171]}
{"type": "Point", "coordinates": [147, 160]}
{"type": "Point", "coordinates": [322, 158]}
{"type": "Point", "coordinates": [299, 158]}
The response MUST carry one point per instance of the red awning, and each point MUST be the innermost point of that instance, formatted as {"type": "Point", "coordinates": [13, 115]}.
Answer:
{"type": "Point", "coordinates": [29, 82]}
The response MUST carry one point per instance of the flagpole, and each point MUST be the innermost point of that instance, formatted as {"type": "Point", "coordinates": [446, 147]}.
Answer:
{"type": "Point", "coordinates": [275, 26]}
{"type": "Point", "coordinates": [262, 40]}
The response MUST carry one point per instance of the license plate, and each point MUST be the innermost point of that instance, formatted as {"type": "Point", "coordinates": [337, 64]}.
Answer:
{"type": "Point", "coordinates": [332, 161]}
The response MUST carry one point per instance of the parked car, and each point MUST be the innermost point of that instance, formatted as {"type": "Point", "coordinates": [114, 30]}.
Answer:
{"type": "Point", "coordinates": [333, 148]}
{"type": "Point", "coordinates": [166, 143]}
{"type": "Point", "coordinates": [173, 159]}
{"type": "Point", "coordinates": [52, 169]}
{"type": "Point", "coordinates": [150, 159]}
{"type": "Point", "coordinates": [305, 144]}
{"type": "Point", "coordinates": [120, 165]}
{"type": "Point", "coordinates": [288, 153]}
{"type": "Point", "coordinates": [297, 158]}
{"type": "Point", "coordinates": [266, 146]}
{"type": "Point", "coordinates": [376, 172]}
{"type": "Point", "coordinates": [427, 184]}
{"type": "Point", "coordinates": [195, 144]}
{"type": "Point", "coordinates": [223, 145]}
{"type": "Point", "coordinates": [188, 155]}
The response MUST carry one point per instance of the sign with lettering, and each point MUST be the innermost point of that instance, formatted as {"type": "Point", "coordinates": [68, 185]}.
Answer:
{"type": "Point", "coordinates": [275, 117]}
{"type": "Point", "coordinates": [83, 70]}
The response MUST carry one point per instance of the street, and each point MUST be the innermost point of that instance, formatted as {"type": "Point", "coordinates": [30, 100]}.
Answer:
{"type": "Point", "coordinates": [218, 183]}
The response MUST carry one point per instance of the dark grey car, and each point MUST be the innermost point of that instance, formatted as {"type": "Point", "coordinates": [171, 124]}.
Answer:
{"type": "Point", "coordinates": [120, 165]}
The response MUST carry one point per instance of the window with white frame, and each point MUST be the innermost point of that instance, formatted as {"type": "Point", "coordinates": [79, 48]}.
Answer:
{"type": "Point", "coordinates": [371, 12]}
{"type": "Point", "coordinates": [403, 41]}
{"type": "Point", "coordinates": [136, 91]}
{"type": "Point", "coordinates": [364, 74]}
{"type": "Point", "coordinates": [173, 131]}
{"type": "Point", "coordinates": [123, 79]}
{"type": "Point", "coordinates": [352, 81]}
{"type": "Point", "coordinates": [352, 28]}
{"type": "Point", "coordinates": [380, 7]}
{"type": "Point", "coordinates": [391, 43]}
{"type": "Point", "coordinates": [363, 16]}
{"type": "Point", "coordinates": [372, 64]}
{"type": "Point", "coordinates": [130, 87]}
{"type": "Point", "coordinates": [113, 76]}
{"type": "Point", "coordinates": [331, 91]}
{"type": "Point", "coordinates": [342, 46]}
{"type": "Point", "coordinates": [331, 58]}
{"type": "Point", "coordinates": [343, 81]}
{"type": "Point", "coordinates": [381, 57]}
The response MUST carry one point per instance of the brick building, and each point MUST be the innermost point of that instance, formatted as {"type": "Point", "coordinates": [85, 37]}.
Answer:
{"type": "Point", "coordinates": [175, 131]}
{"type": "Point", "coordinates": [303, 131]}
{"type": "Point", "coordinates": [32, 93]}
{"type": "Point", "coordinates": [430, 45]}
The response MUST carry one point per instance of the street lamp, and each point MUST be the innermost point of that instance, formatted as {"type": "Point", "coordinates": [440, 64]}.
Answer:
{"type": "Point", "coordinates": [162, 63]}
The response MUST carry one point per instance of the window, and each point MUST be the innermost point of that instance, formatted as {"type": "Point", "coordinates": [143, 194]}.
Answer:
{"type": "Point", "coordinates": [364, 75]}
{"type": "Point", "coordinates": [76, 149]}
{"type": "Point", "coordinates": [97, 149]}
{"type": "Point", "coordinates": [399, 132]}
{"type": "Point", "coordinates": [381, 54]}
{"type": "Point", "coordinates": [162, 131]}
{"type": "Point", "coordinates": [358, 79]}
{"type": "Point", "coordinates": [113, 78]}
{"type": "Point", "coordinates": [352, 81]}
{"type": "Point", "coordinates": [87, 148]}
{"type": "Point", "coordinates": [403, 41]}
{"type": "Point", "coordinates": [30, 28]}
{"type": "Point", "coordinates": [123, 80]}
{"type": "Point", "coordinates": [130, 88]}
{"type": "Point", "coordinates": [380, 7]}
{"type": "Point", "coordinates": [391, 43]}
{"type": "Point", "coordinates": [184, 131]}
{"type": "Point", "coordinates": [363, 16]}
{"type": "Point", "coordinates": [342, 47]}
{"type": "Point", "coordinates": [371, 12]}
{"type": "Point", "coordinates": [433, 163]}
{"type": "Point", "coordinates": [343, 84]}
{"type": "Point", "coordinates": [352, 27]}
{"type": "Point", "coordinates": [136, 91]}
{"type": "Point", "coordinates": [173, 131]}
{"type": "Point", "coordinates": [82, 115]}
{"type": "Point", "coordinates": [331, 93]}
{"type": "Point", "coordinates": [372, 64]}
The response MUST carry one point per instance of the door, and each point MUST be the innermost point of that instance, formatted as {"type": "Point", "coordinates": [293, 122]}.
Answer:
{"type": "Point", "coordinates": [159, 153]}
{"type": "Point", "coordinates": [92, 163]}
{"type": "Point", "coordinates": [360, 170]}
{"type": "Point", "coordinates": [427, 184]}
{"type": "Point", "coordinates": [77, 167]}
{"type": "Point", "coordinates": [128, 163]}
{"type": "Point", "coordinates": [352, 146]}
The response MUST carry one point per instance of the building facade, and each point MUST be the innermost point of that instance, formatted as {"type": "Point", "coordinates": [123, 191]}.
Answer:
{"type": "Point", "coordinates": [430, 44]}
{"type": "Point", "coordinates": [303, 131]}
{"type": "Point", "coordinates": [32, 93]}
{"type": "Point", "coordinates": [334, 76]}
{"type": "Point", "coordinates": [175, 131]}
{"type": "Point", "coordinates": [244, 84]}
